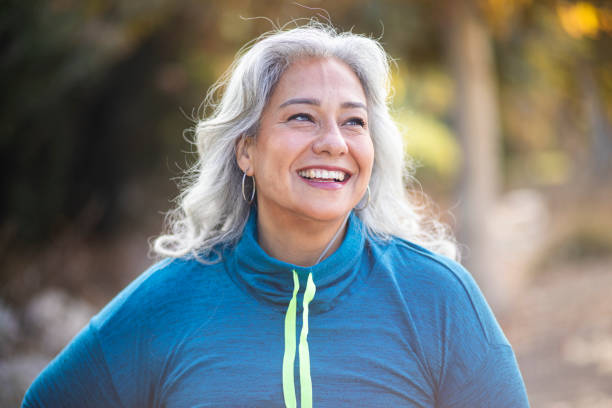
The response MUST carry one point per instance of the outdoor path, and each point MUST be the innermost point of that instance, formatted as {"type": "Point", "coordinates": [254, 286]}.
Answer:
{"type": "Point", "coordinates": [561, 331]}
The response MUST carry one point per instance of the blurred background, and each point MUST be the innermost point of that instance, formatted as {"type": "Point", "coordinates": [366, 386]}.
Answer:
{"type": "Point", "coordinates": [506, 108]}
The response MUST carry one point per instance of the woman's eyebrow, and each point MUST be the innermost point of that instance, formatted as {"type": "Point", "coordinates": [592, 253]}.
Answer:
{"type": "Point", "coordinates": [354, 105]}
{"type": "Point", "coordinates": [316, 102]}
{"type": "Point", "coordinates": [301, 101]}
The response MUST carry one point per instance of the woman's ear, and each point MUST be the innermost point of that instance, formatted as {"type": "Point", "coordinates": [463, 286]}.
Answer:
{"type": "Point", "coordinates": [243, 154]}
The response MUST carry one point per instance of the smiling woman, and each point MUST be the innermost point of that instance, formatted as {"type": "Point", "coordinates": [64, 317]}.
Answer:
{"type": "Point", "coordinates": [295, 237]}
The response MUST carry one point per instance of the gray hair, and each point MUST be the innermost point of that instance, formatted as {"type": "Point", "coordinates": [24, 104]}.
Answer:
{"type": "Point", "coordinates": [211, 210]}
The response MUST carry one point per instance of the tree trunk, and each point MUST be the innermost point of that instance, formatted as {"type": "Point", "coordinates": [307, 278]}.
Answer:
{"type": "Point", "coordinates": [477, 125]}
{"type": "Point", "coordinates": [599, 163]}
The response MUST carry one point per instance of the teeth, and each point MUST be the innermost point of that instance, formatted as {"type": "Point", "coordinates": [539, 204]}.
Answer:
{"type": "Point", "coordinates": [323, 174]}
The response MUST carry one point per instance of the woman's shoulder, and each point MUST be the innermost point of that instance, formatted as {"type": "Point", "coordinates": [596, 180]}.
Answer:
{"type": "Point", "coordinates": [412, 261]}
{"type": "Point", "coordinates": [435, 282]}
{"type": "Point", "coordinates": [162, 285]}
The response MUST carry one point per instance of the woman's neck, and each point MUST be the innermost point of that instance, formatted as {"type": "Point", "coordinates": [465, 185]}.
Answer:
{"type": "Point", "coordinates": [297, 240]}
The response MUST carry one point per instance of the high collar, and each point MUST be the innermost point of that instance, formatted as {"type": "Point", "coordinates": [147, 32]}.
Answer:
{"type": "Point", "coordinates": [270, 280]}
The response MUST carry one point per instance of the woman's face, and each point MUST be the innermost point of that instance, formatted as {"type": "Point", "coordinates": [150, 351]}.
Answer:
{"type": "Point", "coordinates": [312, 157]}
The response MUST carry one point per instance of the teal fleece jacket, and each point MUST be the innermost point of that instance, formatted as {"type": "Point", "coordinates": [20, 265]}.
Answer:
{"type": "Point", "coordinates": [389, 324]}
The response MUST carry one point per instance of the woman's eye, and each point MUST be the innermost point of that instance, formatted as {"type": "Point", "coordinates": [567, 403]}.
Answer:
{"type": "Point", "coordinates": [301, 117]}
{"type": "Point", "coordinates": [356, 122]}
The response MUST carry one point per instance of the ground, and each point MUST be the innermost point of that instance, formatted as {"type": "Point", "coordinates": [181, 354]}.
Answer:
{"type": "Point", "coordinates": [561, 330]}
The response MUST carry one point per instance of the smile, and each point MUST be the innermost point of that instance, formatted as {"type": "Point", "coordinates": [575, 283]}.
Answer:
{"type": "Point", "coordinates": [323, 175]}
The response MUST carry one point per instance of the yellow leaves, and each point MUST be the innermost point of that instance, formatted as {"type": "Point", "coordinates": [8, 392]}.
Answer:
{"type": "Point", "coordinates": [583, 19]}
{"type": "Point", "coordinates": [431, 143]}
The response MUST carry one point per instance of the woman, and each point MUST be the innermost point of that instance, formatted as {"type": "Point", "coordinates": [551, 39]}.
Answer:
{"type": "Point", "coordinates": [297, 273]}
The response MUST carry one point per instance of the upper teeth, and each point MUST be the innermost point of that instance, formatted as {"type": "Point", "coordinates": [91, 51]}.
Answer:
{"type": "Point", "coordinates": [322, 174]}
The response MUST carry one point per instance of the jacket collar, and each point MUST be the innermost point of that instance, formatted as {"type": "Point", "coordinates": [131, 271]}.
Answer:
{"type": "Point", "coordinates": [271, 280]}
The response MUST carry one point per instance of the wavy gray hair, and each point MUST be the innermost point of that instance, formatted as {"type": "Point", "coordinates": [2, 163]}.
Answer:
{"type": "Point", "coordinates": [211, 210]}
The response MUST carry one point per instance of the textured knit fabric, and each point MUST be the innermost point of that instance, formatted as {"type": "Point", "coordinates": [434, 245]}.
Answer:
{"type": "Point", "coordinates": [390, 325]}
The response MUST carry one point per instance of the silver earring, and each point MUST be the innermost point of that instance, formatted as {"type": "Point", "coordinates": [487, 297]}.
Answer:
{"type": "Point", "coordinates": [363, 207]}
{"type": "Point", "coordinates": [244, 175]}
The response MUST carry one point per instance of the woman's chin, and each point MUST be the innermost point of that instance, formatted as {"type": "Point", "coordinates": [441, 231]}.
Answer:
{"type": "Point", "coordinates": [325, 213]}
{"type": "Point", "coordinates": [306, 209]}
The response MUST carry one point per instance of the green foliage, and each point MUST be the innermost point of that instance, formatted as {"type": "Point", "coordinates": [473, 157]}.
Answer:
{"type": "Point", "coordinates": [59, 111]}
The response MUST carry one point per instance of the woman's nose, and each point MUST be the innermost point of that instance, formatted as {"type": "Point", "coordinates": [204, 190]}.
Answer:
{"type": "Point", "coordinates": [330, 141]}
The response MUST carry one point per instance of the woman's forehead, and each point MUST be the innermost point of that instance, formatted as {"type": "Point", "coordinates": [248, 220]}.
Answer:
{"type": "Point", "coordinates": [317, 78]}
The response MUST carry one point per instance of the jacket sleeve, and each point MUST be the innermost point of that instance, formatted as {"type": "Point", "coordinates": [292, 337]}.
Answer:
{"type": "Point", "coordinates": [479, 368]}
{"type": "Point", "coordinates": [77, 377]}
{"type": "Point", "coordinates": [496, 383]}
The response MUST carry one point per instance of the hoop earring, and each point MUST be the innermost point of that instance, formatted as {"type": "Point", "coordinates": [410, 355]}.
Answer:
{"type": "Point", "coordinates": [244, 175]}
{"type": "Point", "coordinates": [363, 207]}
